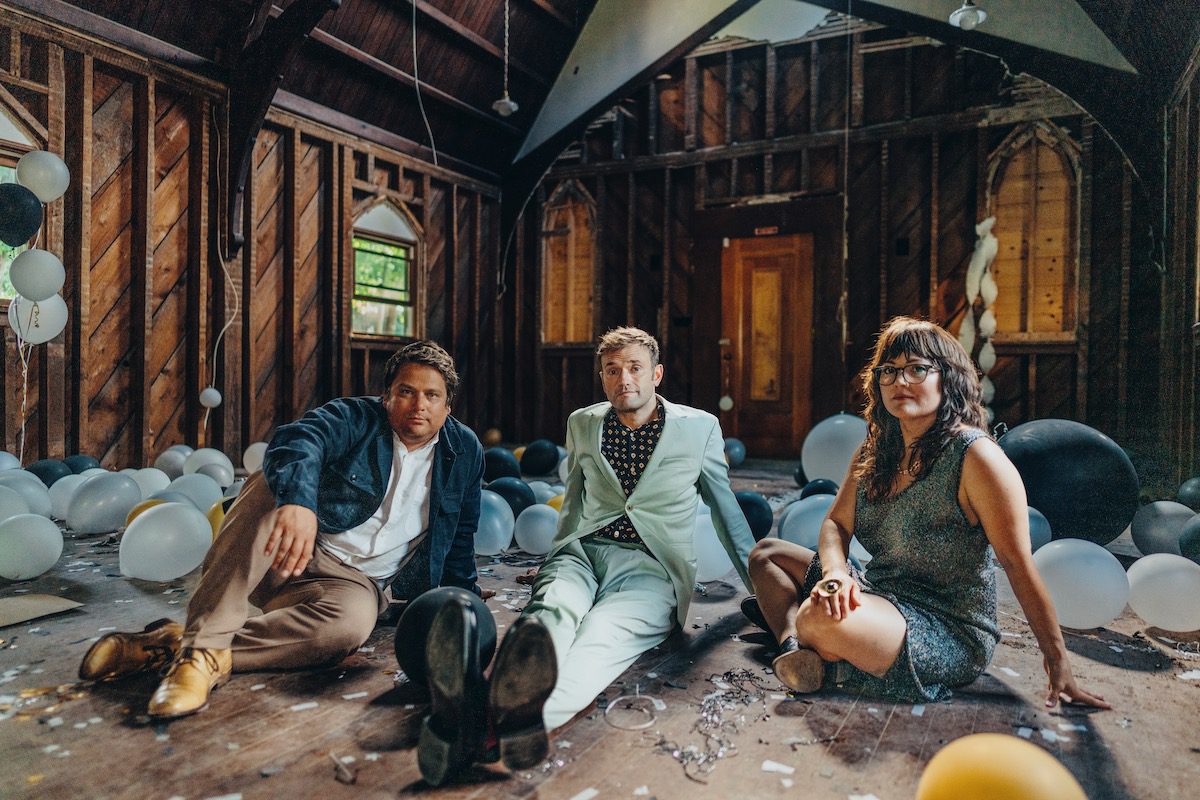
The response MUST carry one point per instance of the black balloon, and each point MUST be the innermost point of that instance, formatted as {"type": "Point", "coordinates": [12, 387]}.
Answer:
{"type": "Point", "coordinates": [540, 457]}
{"type": "Point", "coordinates": [818, 486]}
{"type": "Point", "coordinates": [516, 492]}
{"type": "Point", "coordinates": [1189, 539]}
{"type": "Point", "coordinates": [20, 214]}
{"type": "Point", "coordinates": [499, 463]}
{"type": "Point", "coordinates": [79, 462]}
{"type": "Point", "coordinates": [1189, 493]}
{"type": "Point", "coordinates": [417, 618]}
{"type": "Point", "coordinates": [757, 512]}
{"type": "Point", "coordinates": [799, 475]}
{"type": "Point", "coordinates": [1076, 476]}
{"type": "Point", "coordinates": [49, 470]}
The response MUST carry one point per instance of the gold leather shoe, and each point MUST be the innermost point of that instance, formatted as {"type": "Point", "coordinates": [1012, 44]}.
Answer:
{"type": "Point", "coordinates": [116, 655]}
{"type": "Point", "coordinates": [195, 673]}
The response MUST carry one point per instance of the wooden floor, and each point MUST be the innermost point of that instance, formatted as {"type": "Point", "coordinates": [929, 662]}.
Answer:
{"type": "Point", "coordinates": [276, 734]}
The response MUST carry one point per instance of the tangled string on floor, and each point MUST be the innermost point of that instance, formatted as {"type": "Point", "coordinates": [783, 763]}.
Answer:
{"type": "Point", "coordinates": [723, 713]}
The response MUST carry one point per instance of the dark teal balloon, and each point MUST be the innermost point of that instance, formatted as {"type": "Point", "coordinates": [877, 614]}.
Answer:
{"type": "Point", "coordinates": [49, 470]}
{"type": "Point", "coordinates": [20, 214]}
{"type": "Point", "coordinates": [758, 513]}
{"type": "Point", "coordinates": [515, 492]}
{"type": "Point", "coordinates": [79, 462]}
{"type": "Point", "coordinates": [539, 458]}
{"type": "Point", "coordinates": [499, 463]}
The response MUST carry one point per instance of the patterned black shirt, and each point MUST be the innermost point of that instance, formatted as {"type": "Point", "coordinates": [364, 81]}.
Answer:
{"type": "Point", "coordinates": [628, 451]}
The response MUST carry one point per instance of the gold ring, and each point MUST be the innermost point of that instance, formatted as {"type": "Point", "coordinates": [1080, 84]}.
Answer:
{"type": "Point", "coordinates": [829, 587]}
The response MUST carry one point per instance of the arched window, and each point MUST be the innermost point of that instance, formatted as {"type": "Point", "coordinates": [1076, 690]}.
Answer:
{"type": "Point", "coordinates": [1033, 181]}
{"type": "Point", "coordinates": [15, 141]}
{"type": "Point", "coordinates": [568, 265]}
{"type": "Point", "coordinates": [386, 254]}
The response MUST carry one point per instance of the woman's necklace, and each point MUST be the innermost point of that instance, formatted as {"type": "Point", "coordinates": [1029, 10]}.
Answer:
{"type": "Point", "coordinates": [912, 469]}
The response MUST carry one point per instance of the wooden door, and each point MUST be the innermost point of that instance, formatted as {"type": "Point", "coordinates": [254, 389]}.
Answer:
{"type": "Point", "coordinates": [766, 342]}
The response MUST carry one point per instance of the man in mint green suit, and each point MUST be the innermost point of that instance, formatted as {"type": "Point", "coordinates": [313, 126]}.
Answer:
{"type": "Point", "coordinates": [621, 570]}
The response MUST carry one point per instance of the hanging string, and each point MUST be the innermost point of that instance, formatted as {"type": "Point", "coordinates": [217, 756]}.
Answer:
{"type": "Point", "coordinates": [237, 298]}
{"type": "Point", "coordinates": [506, 48]}
{"type": "Point", "coordinates": [24, 352]}
{"type": "Point", "coordinates": [417, 85]}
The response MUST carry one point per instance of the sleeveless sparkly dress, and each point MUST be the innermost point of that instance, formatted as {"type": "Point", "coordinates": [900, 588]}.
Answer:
{"type": "Point", "coordinates": [938, 570]}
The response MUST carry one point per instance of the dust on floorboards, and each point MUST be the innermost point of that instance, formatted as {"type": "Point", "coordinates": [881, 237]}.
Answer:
{"type": "Point", "coordinates": [271, 734]}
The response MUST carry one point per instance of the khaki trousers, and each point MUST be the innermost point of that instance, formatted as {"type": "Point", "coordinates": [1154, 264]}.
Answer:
{"type": "Point", "coordinates": [320, 617]}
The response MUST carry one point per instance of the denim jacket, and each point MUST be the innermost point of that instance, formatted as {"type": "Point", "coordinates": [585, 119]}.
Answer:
{"type": "Point", "coordinates": [336, 460]}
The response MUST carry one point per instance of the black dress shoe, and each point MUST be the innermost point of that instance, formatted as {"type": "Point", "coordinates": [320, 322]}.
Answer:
{"type": "Point", "coordinates": [753, 612]}
{"type": "Point", "coordinates": [525, 673]}
{"type": "Point", "coordinates": [452, 735]}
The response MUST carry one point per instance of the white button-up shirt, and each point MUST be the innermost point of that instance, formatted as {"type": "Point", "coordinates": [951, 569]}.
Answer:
{"type": "Point", "coordinates": [377, 546]}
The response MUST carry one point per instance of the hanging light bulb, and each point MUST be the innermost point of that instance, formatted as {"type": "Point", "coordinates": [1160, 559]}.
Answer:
{"type": "Point", "coordinates": [505, 106]}
{"type": "Point", "coordinates": [967, 17]}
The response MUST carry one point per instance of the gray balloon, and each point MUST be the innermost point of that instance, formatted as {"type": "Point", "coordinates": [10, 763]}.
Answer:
{"type": "Point", "coordinates": [102, 503]}
{"type": "Point", "coordinates": [220, 473]}
{"type": "Point", "coordinates": [29, 486]}
{"type": "Point", "coordinates": [1039, 529]}
{"type": "Point", "coordinates": [202, 490]}
{"type": "Point", "coordinates": [8, 460]}
{"type": "Point", "coordinates": [171, 462]}
{"type": "Point", "coordinates": [11, 503]}
{"type": "Point", "coordinates": [171, 496]}
{"type": "Point", "coordinates": [1156, 526]}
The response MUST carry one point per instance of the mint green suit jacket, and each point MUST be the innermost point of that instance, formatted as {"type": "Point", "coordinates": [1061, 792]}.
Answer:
{"type": "Point", "coordinates": [688, 463]}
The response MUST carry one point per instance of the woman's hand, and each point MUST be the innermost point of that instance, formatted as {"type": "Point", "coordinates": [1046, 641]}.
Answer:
{"type": "Point", "coordinates": [1062, 684]}
{"type": "Point", "coordinates": [837, 593]}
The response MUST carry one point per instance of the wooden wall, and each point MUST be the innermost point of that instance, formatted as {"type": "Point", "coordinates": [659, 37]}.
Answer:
{"type": "Point", "coordinates": [902, 127]}
{"type": "Point", "coordinates": [151, 282]}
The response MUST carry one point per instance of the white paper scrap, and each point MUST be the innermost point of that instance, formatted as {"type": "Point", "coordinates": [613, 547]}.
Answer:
{"type": "Point", "coordinates": [775, 766]}
{"type": "Point", "coordinates": [258, 687]}
{"type": "Point", "coordinates": [1012, 673]}
{"type": "Point", "coordinates": [1190, 675]}
{"type": "Point", "coordinates": [1067, 726]}
{"type": "Point", "coordinates": [305, 706]}
{"type": "Point", "coordinates": [918, 711]}
{"type": "Point", "coordinates": [586, 794]}
{"type": "Point", "coordinates": [354, 695]}
{"type": "Point", "coordinates": [1024, 732]}
{"type": "Point", "coordinates": [787, 782]}
{"type": "Point", "coordinates": [641, 791]}
{"type": "Point", "coordinates": [863, 797]}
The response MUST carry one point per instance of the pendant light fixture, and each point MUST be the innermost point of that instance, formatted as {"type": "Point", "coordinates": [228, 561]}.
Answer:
{"type": "Point", "coordinates": [968, 16]}
{"type": "Point", "coordinates": [505, 106]}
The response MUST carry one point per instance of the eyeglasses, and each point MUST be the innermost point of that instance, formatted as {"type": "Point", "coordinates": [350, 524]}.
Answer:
{"type": "Point", "coordinates": [913, 373]}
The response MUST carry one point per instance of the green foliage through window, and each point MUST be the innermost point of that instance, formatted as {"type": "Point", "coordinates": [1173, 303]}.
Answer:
{"type": "Point", "coordinates": [383, 288]}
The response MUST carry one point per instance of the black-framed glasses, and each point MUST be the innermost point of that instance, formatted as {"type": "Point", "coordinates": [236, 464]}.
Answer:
{"type": "Point", "coordinates": [913, 373]}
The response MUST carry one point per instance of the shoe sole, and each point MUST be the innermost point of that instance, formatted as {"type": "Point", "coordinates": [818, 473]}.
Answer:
{"type": "Point", "coordinates": [801, 670]}
{"type": "Point", "coordinates": [525, 674]}
{"type": "Point", "coordinates": [445, 744]}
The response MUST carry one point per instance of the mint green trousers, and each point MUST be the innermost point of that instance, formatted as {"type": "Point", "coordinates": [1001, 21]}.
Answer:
{"type": "Point", "coordinates": [605, 604]}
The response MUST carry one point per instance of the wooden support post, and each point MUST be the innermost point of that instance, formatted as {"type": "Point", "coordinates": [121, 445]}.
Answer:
{"type": "Point", "coordinates": [77, 250]}
{"type": "Point", "coordinates": [691, 103]}
{"type": "Point", "coordinates": [1123, 311]}
{"type": "Point", "coordinates": [1083, 267]}
{"type": "Point", "coordinates": [290, 305]}
{"type": "Point", "coordinates": [935, 153]}
{"type": "Point", "coordinates": [141, 286]}
{"type": "Point", "coordinates": [196, 367]}
{"type": "Point", "coordinates": [54, 362]}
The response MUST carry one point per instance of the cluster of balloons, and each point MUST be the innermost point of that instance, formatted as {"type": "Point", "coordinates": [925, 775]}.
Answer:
{"type": "Point", "coordinates": [513, 509]}
{"type": "Point", "coordinates": [171, 512]}
{"type": "Point", "coordinates": [1166, 526]}
{"type": "Point", "coordinates": [38, 313]}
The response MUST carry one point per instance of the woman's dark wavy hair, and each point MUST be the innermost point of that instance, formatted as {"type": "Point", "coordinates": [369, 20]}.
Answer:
{"type": "Point", "coordinates": [962, 403]}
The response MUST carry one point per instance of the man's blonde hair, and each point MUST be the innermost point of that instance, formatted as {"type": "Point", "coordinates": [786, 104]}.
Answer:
{"type": "Point", "coordinates": [620, 338]}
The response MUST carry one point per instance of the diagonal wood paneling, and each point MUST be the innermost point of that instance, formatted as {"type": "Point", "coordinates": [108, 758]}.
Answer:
{"type": "Point", "coordinates": [266, 296]}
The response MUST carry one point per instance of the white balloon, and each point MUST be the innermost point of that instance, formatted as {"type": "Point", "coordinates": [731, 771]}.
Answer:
{"type": "Point", "coordinates": [182, 448]}
{"type": "Point", "coordinates": [151, 480]}
{"type": "Point", "coordinates": [535, 529]}
{"type": "Point", "coordinates": [130, 471]}
{"type": "Point", "coordinates": [801, 521]}
{"type": "Point", "coordinates": [90, 471]}
{"type": "Point", "coordinates": [44, 174]}
{"type": "Point", "coordinates": [165, 542]}
{"type": "Point", "coordinates": [495, 531]}
{"type": "Point", "coordinates": [218, 472]}
{"type": "Point", "coordinates": [987, 388]}
{"type": "Point", "coordinates": [8, 461]}
{"type": "Point", "coordinates": [988, 289]}
{"type": "Point", "coordinates": [37, 322]}
{"type": "Point", "coordinates": [966, 331]}
{"type": "Point", "coordinates": [62, 492]}
{"type": "Point", "coordinates": [830, 446]}
{"type": "Point", "coordinates": [252, 458]}
{"type": "Point", "coordinates": [12, 503]}
{"type": "Point", "coordinates": [171, 462]}
{"type": "Point", "coordinates": [102, 503]}
{"type": "Point", "coordinates": [210, 397]}
{"type": "Point", "coordinates": [236, 488]}
{"type": "Point", "coordinates": [987, 323]}
{"type": "Point", "coordinates": [205, 455]}
{"type": "Point", "coordinates": [1164, 590]}
{"type": "Point", "coordinates": [562, 470]}
{"type": "Point", "coordinates": [725, 403]}
{"type": "Point", "coordinates": [30, 487]}
{"type": "Point", "coordinates": [30, 544]}
{"type": "Point", "coordinates": [202, 490]}
{"type": "Point", "coordinates": [1086, 582]}
{"type": "Point", "coordinates": [711, 559]}
{"type": "Point", "coordinates": [542, 491]}
{"type": "Point", "coordinates": [37, 274]}
{"type": "Point", "coordinates": [987, 356]}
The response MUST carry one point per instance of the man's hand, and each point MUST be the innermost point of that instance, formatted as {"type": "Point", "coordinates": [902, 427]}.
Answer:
{"type": "Point", "coordinates": [293, 531]}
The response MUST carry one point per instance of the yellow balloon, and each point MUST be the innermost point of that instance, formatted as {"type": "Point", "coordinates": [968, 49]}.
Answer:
{"type": "Point", "coordinates": [216, 514]}
{"type": "Point", "coordinates": [491, 437]}
{"type": "Point", "coordinates": [140, 507]}
{"type": "Point", "coordinates": [520, 451]}
{"type": "Point", "coordinates": [556, 502]}
{"type": "Point", "coordinates": [996, 766]}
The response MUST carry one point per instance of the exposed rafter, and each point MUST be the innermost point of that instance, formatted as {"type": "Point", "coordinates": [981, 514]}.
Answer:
{"type": "Point", "coordinates": [554, 13]}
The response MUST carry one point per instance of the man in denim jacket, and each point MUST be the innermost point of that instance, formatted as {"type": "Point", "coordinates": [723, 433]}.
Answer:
{"type": "Point", "coordinates": [349, 494]}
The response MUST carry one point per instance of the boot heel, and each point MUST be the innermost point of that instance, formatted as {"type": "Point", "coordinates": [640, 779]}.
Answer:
{"type": "Point", "coordinates": [433, 756]}
{"type": "Point", "coordinates": [524, 749]}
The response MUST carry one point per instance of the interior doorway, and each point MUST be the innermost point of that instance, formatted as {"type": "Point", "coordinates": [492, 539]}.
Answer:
{"type": "Point", "coordinates": [766, 342]}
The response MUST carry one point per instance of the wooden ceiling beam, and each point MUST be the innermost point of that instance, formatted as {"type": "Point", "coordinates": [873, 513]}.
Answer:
{"type": "Point", "coordinates": [400, 76]}
{"type": "Point", "coordinates": [553, 12]}
{"type": "Point", "coordinates": [471, 37]}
